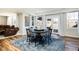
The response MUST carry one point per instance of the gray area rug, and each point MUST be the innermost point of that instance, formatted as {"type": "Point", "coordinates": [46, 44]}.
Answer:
{"type": "Point", "coordinates": [56, 45]}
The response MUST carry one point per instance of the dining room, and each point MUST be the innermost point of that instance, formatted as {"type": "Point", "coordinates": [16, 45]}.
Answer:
{"type": "Point", "coordinates": [42, 29]}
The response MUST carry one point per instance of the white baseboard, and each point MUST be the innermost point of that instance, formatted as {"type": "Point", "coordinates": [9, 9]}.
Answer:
{"type": "Point", "coordinates": [71, 36]}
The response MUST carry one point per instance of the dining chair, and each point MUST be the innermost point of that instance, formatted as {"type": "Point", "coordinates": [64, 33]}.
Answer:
{"type": "Point", "coordinates": [31, 36]}
{"type": "Point", "coordinates": [48, 39]}
{"type": "Point", "coordinates": [29, 33]}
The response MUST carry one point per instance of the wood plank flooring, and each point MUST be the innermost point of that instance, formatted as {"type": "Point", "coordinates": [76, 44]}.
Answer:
{"type": "Point", "coordinates": [71, 44]}
{"type": "Point", "coordinates": [5, 44]}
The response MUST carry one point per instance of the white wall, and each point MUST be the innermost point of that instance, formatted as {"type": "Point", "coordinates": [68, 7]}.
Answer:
{"type": "Point", "coordinates": [3, 20]}
{"type": "Point", "coordinates": [62, 24]}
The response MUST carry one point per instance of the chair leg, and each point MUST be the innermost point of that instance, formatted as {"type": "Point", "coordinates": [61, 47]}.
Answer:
{"type": "Point", "coordinates": [29, 40]}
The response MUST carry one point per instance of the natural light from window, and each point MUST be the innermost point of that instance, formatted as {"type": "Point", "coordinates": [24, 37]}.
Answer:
{"type": "Point", "coordinates": [72, 19]}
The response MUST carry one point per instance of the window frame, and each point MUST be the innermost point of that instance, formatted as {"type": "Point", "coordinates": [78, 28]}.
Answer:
{"type": "Point", "coordinates": [68, 22]}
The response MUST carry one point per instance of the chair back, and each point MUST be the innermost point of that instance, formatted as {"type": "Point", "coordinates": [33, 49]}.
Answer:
{"type": "Point", "coordinates": [28, 32]}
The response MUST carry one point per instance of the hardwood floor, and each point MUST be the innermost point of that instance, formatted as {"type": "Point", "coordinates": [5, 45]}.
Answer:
{"type": "Point", "coordinates": [5, 44]}
{"type": "Point", "coordinates": [71, 44]}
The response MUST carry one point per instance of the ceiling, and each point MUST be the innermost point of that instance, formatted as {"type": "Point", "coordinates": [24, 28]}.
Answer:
{"type": "Point", "coordinates": [37, 11]}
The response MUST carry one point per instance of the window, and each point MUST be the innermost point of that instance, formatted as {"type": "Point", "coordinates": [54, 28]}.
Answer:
{"type": "Point", "coordinates": [39, 22]}
{"type": "Point", "coordinates": [49, 22]}
{"type": "Point", "coordinates": [72, 19]}
{"type": "Point", "coordinates": [55, 24]}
